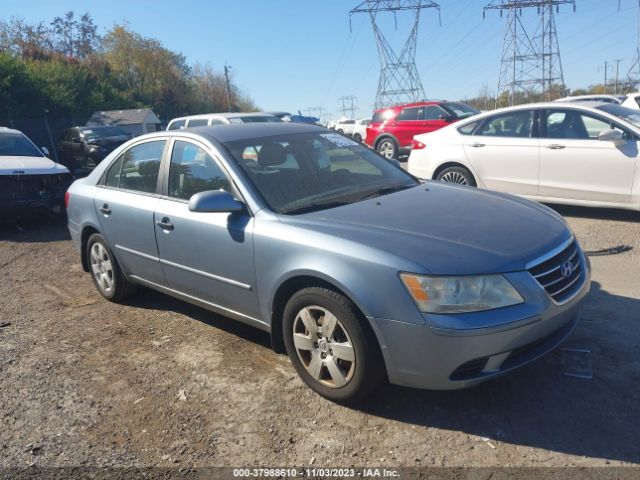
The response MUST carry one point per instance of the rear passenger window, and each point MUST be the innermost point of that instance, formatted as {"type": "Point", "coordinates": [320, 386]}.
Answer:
{"type": "Point", "coordinates": [432, 113]}
{"type": "Point", "coordinates": [193, 171]}
{"type": "Point", "coordinates": [411, 113]}
{"type": "Point", "coordinates": [177, 125]}
{"type": "Point", "coordinates": [513, 124]}
{"type": "Point", "coordinates": [140, 167]}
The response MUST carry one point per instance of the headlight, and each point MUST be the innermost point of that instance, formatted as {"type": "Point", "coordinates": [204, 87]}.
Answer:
{"type": "Point", "coordinates": [472, 293]}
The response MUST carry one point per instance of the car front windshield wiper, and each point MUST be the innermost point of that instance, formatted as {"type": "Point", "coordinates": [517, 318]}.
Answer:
{"type": "Point", "coordinates": [315, 206]}
{"type": "Point", "coordinates": [385, 191]}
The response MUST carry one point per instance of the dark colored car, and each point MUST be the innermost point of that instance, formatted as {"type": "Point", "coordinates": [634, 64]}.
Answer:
{"type": "Point", "coordinates": [82, 148]}
{"type": "Point", "coordinates": [392, 129]}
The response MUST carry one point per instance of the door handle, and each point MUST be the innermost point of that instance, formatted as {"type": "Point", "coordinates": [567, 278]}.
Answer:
{"type": "Point", "coordinates": [477, 145]}
{"type": "Point", "coordinates": [555, 146]}
{"type": "Point", "coordinates": [165, 224]}
{"type": "Point", "coordinates": [105, 209]}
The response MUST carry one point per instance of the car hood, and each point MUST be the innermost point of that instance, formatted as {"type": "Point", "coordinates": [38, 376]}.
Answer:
{"type": "Point", "coordinates": [18, 165]}
{"type": "Point", "coordinates": [446, 229]}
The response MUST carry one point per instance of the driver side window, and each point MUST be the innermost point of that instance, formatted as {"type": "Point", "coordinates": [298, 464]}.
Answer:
{"type": "Point", "coordinates": [192, 171]}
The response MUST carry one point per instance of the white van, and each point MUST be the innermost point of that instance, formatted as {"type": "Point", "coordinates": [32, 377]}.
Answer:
{"type": "Point", "coordinates": [220, 119]}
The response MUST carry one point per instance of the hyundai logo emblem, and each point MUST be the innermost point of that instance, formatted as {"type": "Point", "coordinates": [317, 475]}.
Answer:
{"type": "Point", "coordinates": [566, 269]}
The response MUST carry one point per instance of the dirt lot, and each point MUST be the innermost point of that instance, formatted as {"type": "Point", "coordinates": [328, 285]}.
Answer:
{"type": "Point", "coordinates": [157, 382]}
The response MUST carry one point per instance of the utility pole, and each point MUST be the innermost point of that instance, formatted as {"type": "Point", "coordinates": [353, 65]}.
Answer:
{"type": "Point", "coordinates": [606, 69]}
{"type": "Point", "coordinates": [226, 74]}
{"type": "Point", "coordinates": [399, 79]}
{"type": "Point", "coordinates": [617, 60]}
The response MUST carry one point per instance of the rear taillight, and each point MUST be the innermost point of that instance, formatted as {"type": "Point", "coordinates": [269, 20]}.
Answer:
{"type": "Point", "coordinates": [416, 145]}
{"type": "Point", "coordinates": [66, 199]}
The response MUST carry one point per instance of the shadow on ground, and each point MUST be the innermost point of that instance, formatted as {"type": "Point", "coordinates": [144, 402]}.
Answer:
{"type": "Point", "coordinates": [34, 229]}
{"type": "Point", "coordinates": [614, 214]}
{"type": "Point", "coordinates": [150, 299]}
{"type": "Point", "coordinates": [538, 406]}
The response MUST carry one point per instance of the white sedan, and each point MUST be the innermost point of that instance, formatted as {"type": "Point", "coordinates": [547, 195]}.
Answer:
{"type": "Point", "coordinates": [583, 153]}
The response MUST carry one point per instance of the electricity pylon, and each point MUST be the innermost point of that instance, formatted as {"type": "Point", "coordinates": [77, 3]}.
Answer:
{"type": "Point", "coordinates": [530, 63]}
{"type": "Point", "coordinates": [633, 75]}
{"type": "Point", "coordinates": [399, 79]}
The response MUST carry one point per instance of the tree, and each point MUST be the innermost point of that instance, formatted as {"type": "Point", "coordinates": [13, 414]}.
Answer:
{"type": "Point", "coordinates": [72, 37]}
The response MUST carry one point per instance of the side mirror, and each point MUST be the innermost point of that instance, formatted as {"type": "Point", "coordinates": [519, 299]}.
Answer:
{"type": "Point", "coordinates": [214, 201]}
{"type": "Point", "coordinates": [45, 150]}
{"type": "Point", "coordinates": [446, 117]}
{"type": "Point", "coordinates": [611, 135]}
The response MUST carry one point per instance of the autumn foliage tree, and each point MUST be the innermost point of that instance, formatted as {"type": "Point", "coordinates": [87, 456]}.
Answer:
{"type": "Point", "coordinates": [66, 68]}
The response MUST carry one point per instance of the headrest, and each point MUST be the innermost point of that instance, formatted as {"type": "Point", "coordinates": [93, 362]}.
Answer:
{"type": "Point", "coordinates": [149, 167]}
{"type": "Point", "coordinates": [271, 155]}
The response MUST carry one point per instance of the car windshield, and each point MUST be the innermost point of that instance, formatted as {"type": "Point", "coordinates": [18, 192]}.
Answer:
{"type": "Point", "coordinates": [627, 114]}
{"type": "Point", "coordinates": [102, 132]}
{"type": "Point", "coordinates": [16, 144]}
{"type": "Point", "coordinates": [459, 110]}
{"type": "Point", "coordinates": [303, 172]}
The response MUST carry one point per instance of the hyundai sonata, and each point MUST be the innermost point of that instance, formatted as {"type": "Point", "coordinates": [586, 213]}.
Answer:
{"type": "Point", "coordinates": [313, 237]}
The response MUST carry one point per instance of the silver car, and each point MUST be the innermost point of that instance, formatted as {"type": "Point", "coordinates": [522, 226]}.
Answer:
{"type": "Point", "coordinates": [360, 272]}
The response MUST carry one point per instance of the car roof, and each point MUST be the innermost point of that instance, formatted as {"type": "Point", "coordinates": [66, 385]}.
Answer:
{"type": "Point", "coordinates": [225, 115]}
{"type": "Point", "coordinates": [241, 131]}
{"type": "Point", "coordinates": [10, 130]}
{"type": "Point", "coordinates": [412, 104]}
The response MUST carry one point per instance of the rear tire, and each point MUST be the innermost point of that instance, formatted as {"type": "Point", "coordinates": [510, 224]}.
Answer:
{"type": "Point", "coordinates": [105, 272]}
{"type": "Point", "coordinates": [357, 137]}
{"type": "Point", "coordinates": [457, 175]}
{"type": "Point", "coordinates": [387, 147]}
{"type": "Point", "coordinates": [332, 349]}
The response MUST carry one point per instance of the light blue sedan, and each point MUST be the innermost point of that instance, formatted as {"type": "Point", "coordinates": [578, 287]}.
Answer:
{"type": "Point", "coordinates": [359, 272]}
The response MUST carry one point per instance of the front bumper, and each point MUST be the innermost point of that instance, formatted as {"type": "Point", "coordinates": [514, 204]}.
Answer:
{"type": "Point", "coordinates": [26, 194]}
{"type": "Point", "coordinates": [457, 351]}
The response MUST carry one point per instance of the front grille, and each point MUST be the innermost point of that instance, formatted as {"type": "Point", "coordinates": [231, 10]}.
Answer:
{"type": "Point", "coordinates": [17, 188]}
{"type": "Point", "coordinates": [552, 275]}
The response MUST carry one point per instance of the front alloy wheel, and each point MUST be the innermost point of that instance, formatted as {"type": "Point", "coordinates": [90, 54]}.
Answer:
{"type": "Point", "coordinates": [331, 345]}
{"type": "Point", "coordinates": [324, 346]}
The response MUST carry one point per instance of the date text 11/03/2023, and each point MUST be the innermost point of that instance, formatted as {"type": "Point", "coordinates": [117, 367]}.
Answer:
{"type": "Point", "coordinates": [315, 473]}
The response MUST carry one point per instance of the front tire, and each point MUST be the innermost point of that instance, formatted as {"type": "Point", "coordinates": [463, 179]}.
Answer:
{"type": "Point", "coordinates": [457, 175]}
{"type": "Point", "coordinates": [387, 147]}
{"type": "Point", "coordinates": [330, 346]}
{"type": "Point", "coordinates": [105, 271]}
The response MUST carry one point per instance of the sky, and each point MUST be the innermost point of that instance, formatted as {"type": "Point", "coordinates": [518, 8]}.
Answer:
{"type": "Point", "coordinates": [295, 54]}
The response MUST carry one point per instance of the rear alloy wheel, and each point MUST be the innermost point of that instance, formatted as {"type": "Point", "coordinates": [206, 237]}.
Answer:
{"type": "Point", "coordinates": [105, 271]}
{"type": "Point", "coordinates": [357, 137]}
{"type": "Point", "coordinates": [387, 148]}
{"type": "Point", "coordinates": [330, 348]}
{"type": "Point", "coordinates": [457, 175]}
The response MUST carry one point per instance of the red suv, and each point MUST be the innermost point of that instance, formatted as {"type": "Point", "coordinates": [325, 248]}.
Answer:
{"type": "Point", "coordinates": [392, 129]}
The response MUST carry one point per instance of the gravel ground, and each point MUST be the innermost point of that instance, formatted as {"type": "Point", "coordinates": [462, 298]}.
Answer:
{"type": "Point", "coordinates": [158, 382]}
